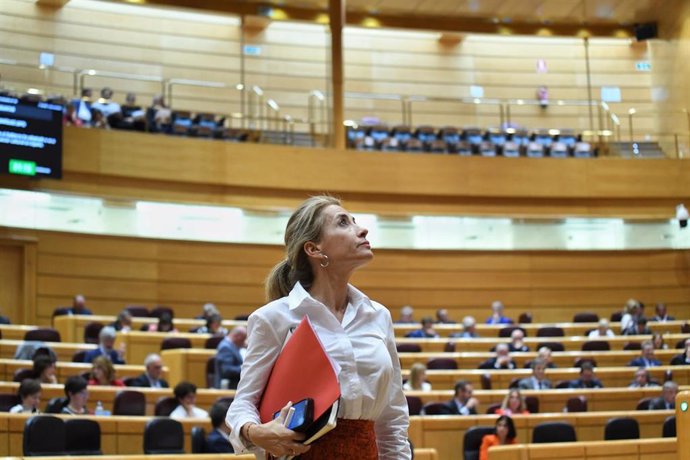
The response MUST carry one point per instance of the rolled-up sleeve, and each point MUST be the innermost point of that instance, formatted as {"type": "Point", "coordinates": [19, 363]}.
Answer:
{"type": "Point", "coordinates": [392, 425]}
{"type": "Point", "coordinates": [263, 348]}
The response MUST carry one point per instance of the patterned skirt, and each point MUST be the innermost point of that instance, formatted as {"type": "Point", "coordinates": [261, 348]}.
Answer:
{"type": "Point", "coordinates": [349, 440]}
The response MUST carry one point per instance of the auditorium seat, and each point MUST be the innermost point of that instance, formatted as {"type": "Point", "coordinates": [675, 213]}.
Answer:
{"type": "Point", "coordinates": [550, 331]}
{"type": "Point", "coordinates": [82, 437]}
{"type": "Point", "coordinates": [21, 374]}
{"type": "Point", "coordinates": [576, 404]}
{"type": "Point", "coordinates": [472, 441]}
{"type": "Point", "coordinates": [8, 401]}
{"type": "Point", "coordinates": [181, 122]}
{"type": "Point", "coordinates": [44, 435]}
{"type": "Point", "coordinates": [632, 346]}
{"type": "Point", "coordinates": [525, 318]}
{"type": "Point", "coordinates": [138, 311]}
{"type": "Point", "coordinates": [212, 342]}
{"type": "Point", "coordinates": [79, 356]}
{"type": "Point", "coordinates": [553, 432]}
{"type": "Point", "coordinates": [669, 428]}
{"type": "Point", "coordinates": [91, 331]}
{"type": "Point", "coordinates": [408, 348]}
{"type": "Point", "coordinates": [198, 438]}
{"type": "Point", "coordinates": [485, 380]}
{"type": "Point", "coordinates": [45, 334]}
{"type": "Point", "coordinates": [414, 404]}
{"type": "Point", "coordinates": [643, 404]}
{"type": "Point", "coordinates": [508, 330]}
{"type": "Point", "coordinates": [129, 402]}
{"type": "Point", "coordinates": [159, 310]}
{"type": "Point", "coordinates": [621, 428]}
{"type": "Point", "coordinates": [585, 317]}
{"type": "Point", "coordinates": [170, 343]}
{"type": "Point", "coordinates": [163, 436]}
{"type": "Point", "coordinates": [435, 408]}
{"type": "Point", "coordinates": [165, 406]}
{"type": "Point", "coordinates": [442, 363]}
{"type": "Point", "coordinates": [553, 346]}
{"type": "Point", "coordinates": [596, 345]}
{"type": "Point", "coordinates": [211, 372]}
{"type": "Point", "coordinates": [55, 405]}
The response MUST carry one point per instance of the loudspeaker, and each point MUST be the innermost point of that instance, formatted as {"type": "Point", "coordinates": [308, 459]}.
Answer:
{"type": "Point", "coordinates": [645, 31]}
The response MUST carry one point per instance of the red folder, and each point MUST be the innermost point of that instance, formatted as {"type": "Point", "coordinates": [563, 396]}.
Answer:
{"type": "Point", "coordinates": [303, 370]}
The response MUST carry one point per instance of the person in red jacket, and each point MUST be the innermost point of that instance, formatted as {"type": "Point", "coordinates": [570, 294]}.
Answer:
{"type": "Point", "coordinates": [505, 434]}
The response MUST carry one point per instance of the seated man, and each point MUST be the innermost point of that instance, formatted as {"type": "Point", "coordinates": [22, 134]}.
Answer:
{"type": "Point", "coordinates": [469, 326]}
{"type": "Point", "coordinates": [667, 400]}
{"type": "Point", "coordinates": [639, 327]}
{"type": "Point", "coordinates": [682, 359]}
{"type": "Point", "coordinates": [661, 314]}
{"type": "Point", "coordinates": [207, 310]}
{"type": "Point", "coordinates": [463, 403]}
{"type": "Point", "coordinates": [587, 378]}
{"type": "Point", "coordinates": [106, 105]}
{"type": "Point", "coordinates": [497, 314]}
{"type": "Point", "coordinates": [544, 353]}
{"type": "Point", "coordinates": [442, 317]}
{"type": "Point", "coordinates": [106, 340]}
{"type": "Point", "coordinates": [642, 379]}
{"type": "Point", "coordinates": [406, 315]}
{"type": "Point", "coordinates": [79, 306]}
{"type": "Point", "coordinates": [229, 357]}
{"type": "Point", "coordinates": [502, 359]}
{"type": "Point", "coordinates": [152, 377]}
{"type": "Point", "coordinates": [427, 330]}
{"type": "Point", "coordinates": [538, 380]}
{"type": "Point", "coordinates": [517, 343]}
{"type": "Point", "coordinates": [217, 440]}
{"type": "Point", "coordinates": [603, 330]}
{"type": "Point", "coordinates": [646, 358]}
{"type": "Point", "coordinates": [185, 393]}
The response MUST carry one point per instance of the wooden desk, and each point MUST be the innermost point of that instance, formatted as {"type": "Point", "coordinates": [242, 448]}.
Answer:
{"type": "Point", "coordinates": [15, 331]}
{"type": "Point", "coordinates": [119, 435]}
{"type": "Point", "coordinates": [445, 433]}
{"type": "Point", "coordinates": [611, 377]}
{"type": "Point", "coordinates": [65, 369]}
{"type": "Point", "coordinates": [633, 449]}
{"type": "Point", "coordinates": [534, 343]}
{"type": "Point", "coordinates": [106, 395]}
{"type": "Point", "coordinates": [471, 360]}
{"type": "Point", "coordinates": [64, 351]}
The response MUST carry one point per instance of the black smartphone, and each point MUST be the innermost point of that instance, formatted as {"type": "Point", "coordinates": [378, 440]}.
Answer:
{"type": "Point", "coordinates": [301, 415]}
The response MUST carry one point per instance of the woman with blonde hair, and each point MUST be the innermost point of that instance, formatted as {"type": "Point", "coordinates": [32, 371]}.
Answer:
{"type": "Point", "coordinates": [513, 404]}
{"type": "Point", "coordinates": [417, 380]}
{"type": "Point", "coordinates": [103, 373]}
{"type": "Point", "coordinates": [325, 245]}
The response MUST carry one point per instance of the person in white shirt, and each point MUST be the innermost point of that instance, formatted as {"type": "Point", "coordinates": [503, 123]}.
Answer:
{"type": "Point", "coordinates": [185, 393]}
{"type": "Point", "coordinates": [30, 395]}
{"type": "Point", "coordinates": [325, 245]}
{"type": "Point", "coordinates": [603, 330]}
{"type": "Point", "coordinates": [417, 380]}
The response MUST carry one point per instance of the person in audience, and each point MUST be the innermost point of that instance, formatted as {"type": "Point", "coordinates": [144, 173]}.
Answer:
{"type": "Point", "coordinates": [642, 379]}
{"type": "Point", "coordinates": [427, 330]}
{"type": "Point", "coordinates": [185, 393]}
{"type": "Point", "coordinates": [152, 376]}
{"type": "Point", "coordinates": [502, 360]}
{"type": "Point", "coordinates": [217, 440]}
{"type": "Point", "coordinates": [44, 369]}
{"type": "Point", "coordinates": [631, 311]}
{"type": "Point", "coordinates": [229, 358]}
{"type": "Point", "coordinates": [417, 380]}
{"type": "Point", "coordinates": [158, 116]}
{"type": "Point", "coordinates": [603, 330]}
{"type": "Point", "coordinates": [659, 342]}
{"type": "Point", "coordinates": [497, 314]}
{"type": "Point", "coordinates": [106, 339]}
{"type": "Point", "coordinates": [682, 359]}
{"type": "Point", "coordinates": [106, 105]}
{"type": "Point", "coordinates": [98, 120]}
{"type": "Point", "coordinates": [133, 116]}
{"type": "Point", "coordinates": [70, 118]}
{"type": "Point", "coordinates": [544, 353]}
{"type": "Point", "coordinates": [463, 403]}
{"type": "Point", "coordinates": [587, 378]}
{"type": "Point", "coordinates": [406, 315]}
{"type": "Point", "coordinates": [77, 396]}
{"type": "Point", "coordinates": [543, 96]}
{"type": "Point", "coordinates": [123, 322]}
{"type": "Point", "coordinates": [646, 358]}
{"type": "Point", "coordinates": [30, 397]}
{"type": "Point", "coordinates": [639, 328]}
{"type": "Point", "coordinates": [469, 329]}
{"type": "Point", "coordinates": [442, 317]}
{"type": "Point", "coordinates": [538, 380]}
{"type": "Point", "coordinates": [661, 315]}
{"type": "Point", "coordinates": [207, 311]}
{"type": "Point", "coordinates": [505, 434]}
{"type": "Point", "coordinates": [513, 404]}
{"type": "Point", "coordinates": [82, 107]}
{"type": "Point", "coordinates": [103, 373]}
{"type": "Point", "coordinates": [214, 326]}
{"type": "Point", "coordinates": [517, 342]}
{"type": "Point", "coordinates": [79, 306]}
{"type": "Point", "coordinates": [164, 324]}
{"type": "Point", "coordinates": [667, 400]}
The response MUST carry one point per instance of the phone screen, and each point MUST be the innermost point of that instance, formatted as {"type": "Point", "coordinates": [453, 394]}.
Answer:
{"type": "Point", "coordinates": [303, 413]}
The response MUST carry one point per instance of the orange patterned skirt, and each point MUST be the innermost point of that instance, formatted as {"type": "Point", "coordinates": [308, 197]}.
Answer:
{"type": "Point", "coordinates": [349, 440]}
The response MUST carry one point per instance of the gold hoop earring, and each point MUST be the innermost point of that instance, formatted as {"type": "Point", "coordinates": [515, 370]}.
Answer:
{"type": "Point", "coordinates": [324, 261]}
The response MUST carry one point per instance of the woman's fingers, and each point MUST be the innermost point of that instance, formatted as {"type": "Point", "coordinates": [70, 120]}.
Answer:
{"type": "Point", "coordinates": [283, 413]}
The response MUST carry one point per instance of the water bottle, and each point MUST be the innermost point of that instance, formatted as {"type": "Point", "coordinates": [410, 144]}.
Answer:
{"type": "Point", "coordinates": [99, 409]}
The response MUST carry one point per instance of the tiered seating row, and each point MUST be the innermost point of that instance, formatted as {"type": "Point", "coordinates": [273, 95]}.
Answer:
{"type": "Point", "coordinates": [636, 449]}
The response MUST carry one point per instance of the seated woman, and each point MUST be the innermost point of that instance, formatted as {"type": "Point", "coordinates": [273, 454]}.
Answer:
{"type": "Point", "coordinates": [30, 395]}
{"type": "Point", "coordinates": [77, 396]}
{"type": "Point", "coordinates": [103, 373]}
{"type": "Point", "coordinates": [165, 324]}
{"type": "Point", "coordinates": [44, 369]}
{"type": "Point", "coordinates": [417, 380]}
{"type": "Point", "coordinates": [505, 434]}
{"type": "Point", "coordinates": [213, 326]}
{"type": "Point", "coordinates": [185, 393]}
{"type": "Point", "coordinates": [123, 322]}
{"type": "Point", "coordinates": [513, 404]}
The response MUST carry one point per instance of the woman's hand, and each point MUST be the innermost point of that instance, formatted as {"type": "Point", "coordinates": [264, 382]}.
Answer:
{"type": "Point", "coordinates": [275, 438]}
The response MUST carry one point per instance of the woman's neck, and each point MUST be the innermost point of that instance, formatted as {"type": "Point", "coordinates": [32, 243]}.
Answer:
{"type": "Point", "coordinates": [333, 293]}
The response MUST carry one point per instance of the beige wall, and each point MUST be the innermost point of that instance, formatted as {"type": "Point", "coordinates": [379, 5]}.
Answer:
{"type": "Point", "coordinates": [293, 61]}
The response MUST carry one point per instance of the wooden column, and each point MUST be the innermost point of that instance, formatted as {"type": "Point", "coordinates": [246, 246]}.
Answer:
{"type": "Point", "coordinates": [336, 10]}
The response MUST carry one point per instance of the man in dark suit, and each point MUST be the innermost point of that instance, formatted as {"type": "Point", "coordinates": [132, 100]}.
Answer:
{"type": "Point", "coordinates": [647, 358]}
{"type": "Point", "coordinates": [502, 359]}
{"type": "Point", "coordinates": [538, 380]}
{"type": "Point", "coordinates": [667, 400]}
{"type": "Point", "coordinates": [217, 441]}
{"type": "Point", "coordinates": [106, 340]}
{"type": "Point", "coordinates": [587, 378]}
{"type": "Point", "coordinates": [152, 377]}
{"type": "Point", "coordinates": [79, 306]}
{"type": "Point", "coordinates": [463, 403]}
{"type": "Point", "coordinates": [229, 358]}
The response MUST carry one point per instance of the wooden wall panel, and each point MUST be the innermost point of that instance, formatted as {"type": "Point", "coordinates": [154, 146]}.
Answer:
{"type": "Point", "coordinates": [113, 272]}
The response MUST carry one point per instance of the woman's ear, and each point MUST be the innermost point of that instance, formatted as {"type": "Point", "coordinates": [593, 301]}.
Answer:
{"type": "Point", "coordinates": [312, 249]}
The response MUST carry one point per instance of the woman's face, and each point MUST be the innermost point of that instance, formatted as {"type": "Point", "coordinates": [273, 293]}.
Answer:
{"type": "Point", "coordinates": [343, 240]}
{"type": "Point", "coordinates": [98, 373]}
{"type": "Point", "coordinates": [79, 400]}
{"type": "Point", "coordinates": [32, 401]}
{"type": "Point", "coordinates": [188, 401]}
{"type": "Point", "coordinates": [48, 373]}
{"type": "Point", "coordinates": [514, 401]}
{"type": "Point", "coordinates": [502, 429]}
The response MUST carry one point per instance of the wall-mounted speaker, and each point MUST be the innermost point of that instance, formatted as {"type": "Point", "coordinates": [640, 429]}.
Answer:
{"type": "Point", "coordinates": [645, 31]}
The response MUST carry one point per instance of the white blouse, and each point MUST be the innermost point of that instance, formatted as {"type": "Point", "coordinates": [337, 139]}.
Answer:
{"type": "Point", "coordinates": [363, 345]}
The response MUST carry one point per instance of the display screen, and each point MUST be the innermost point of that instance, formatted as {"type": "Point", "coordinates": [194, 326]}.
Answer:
{"type": "Point", "coordinates": [30, 138]}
